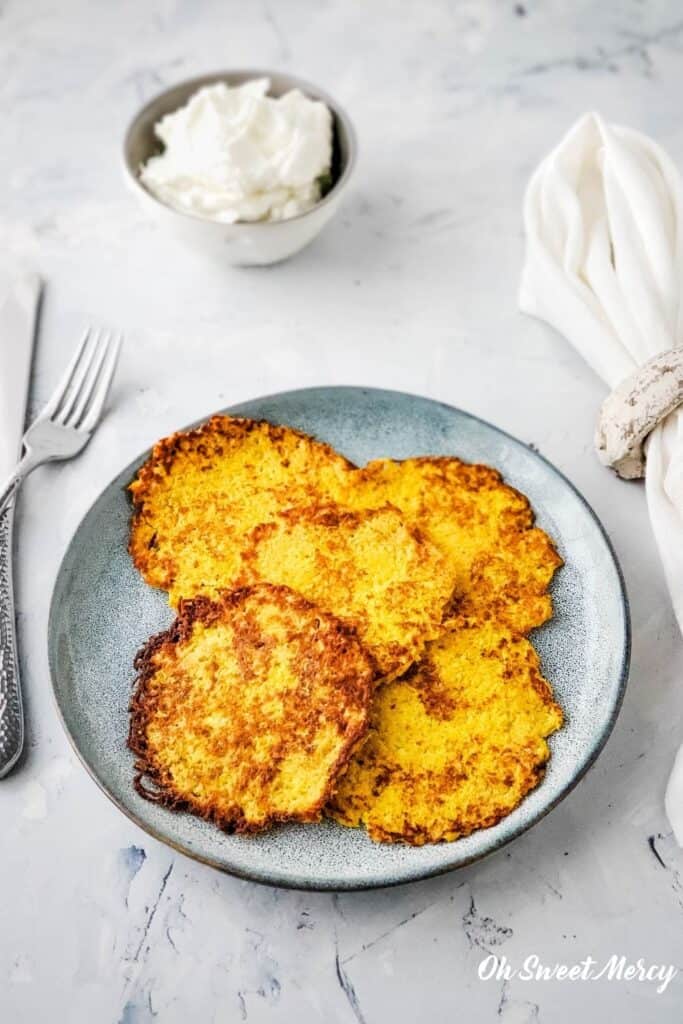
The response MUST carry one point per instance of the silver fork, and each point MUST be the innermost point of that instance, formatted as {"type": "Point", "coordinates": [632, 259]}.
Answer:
{"type": "Point", "coordinates": [60, 431]}
{"type": "Point", "coordinates": [66, 424]}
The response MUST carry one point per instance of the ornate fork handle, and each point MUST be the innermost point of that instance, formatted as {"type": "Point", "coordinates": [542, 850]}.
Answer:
{"type": "Point", "coordinates": [11, 711]}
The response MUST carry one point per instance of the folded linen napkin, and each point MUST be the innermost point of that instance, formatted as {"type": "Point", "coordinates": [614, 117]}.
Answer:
{"type": "Point", "coordinates": [18, 299]}
{"type": "Point", "coordinates": [603, 215]}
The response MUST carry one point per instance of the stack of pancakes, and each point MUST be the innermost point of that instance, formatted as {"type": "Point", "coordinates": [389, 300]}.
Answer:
{"type": "Point", "coordinates": [349, 641]}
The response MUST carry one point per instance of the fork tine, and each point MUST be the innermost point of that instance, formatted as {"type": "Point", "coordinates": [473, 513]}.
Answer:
{"type": "Point", "coordinates": [60, 391]}
{"type": "Point", "coordinates": [80, 376]}
{"type": "Point", "coordinates": [89, 381]}
{"type": "Point", "coordinates": [94, 412]}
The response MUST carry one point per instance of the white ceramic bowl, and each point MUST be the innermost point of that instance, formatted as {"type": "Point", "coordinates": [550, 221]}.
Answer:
{"type": "Point", "coordinates": [245, 243]}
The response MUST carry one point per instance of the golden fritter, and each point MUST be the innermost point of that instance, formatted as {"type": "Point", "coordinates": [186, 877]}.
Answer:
{"type": "Point", "coordinates": [455, 744]}
{"type": "Point", "coordinates": [368, 567]}
{"type": "Point", "coordinates": [395, 550]}
{"type": "Point", "coordinates": [202, 490]}
{"type": "Point", "coordinates": [247, 708]}
{"type": "Point", "coordinates": [238, 501]}
{"type": "Point", "coordinates": [500, 562]}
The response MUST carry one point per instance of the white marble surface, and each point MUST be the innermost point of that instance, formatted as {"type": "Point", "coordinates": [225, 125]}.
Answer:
{"type": "Point", "coordinates": [412, 287]}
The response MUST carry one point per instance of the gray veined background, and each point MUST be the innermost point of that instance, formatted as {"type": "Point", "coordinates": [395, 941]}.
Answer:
{"type": "Point", "coordinates": [412, 287]}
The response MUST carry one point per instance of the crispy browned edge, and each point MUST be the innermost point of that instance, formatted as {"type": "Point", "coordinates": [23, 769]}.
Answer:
{"type": "Point", "coordinates": [230, 427]}
{"type": "Point", "coordinates": [207, 611]}
{"type": "Point", "coordinates": [414, 836]}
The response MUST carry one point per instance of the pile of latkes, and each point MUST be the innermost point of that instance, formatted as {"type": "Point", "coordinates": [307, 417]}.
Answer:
{"type": "Point", "coordinates": [349, 642]}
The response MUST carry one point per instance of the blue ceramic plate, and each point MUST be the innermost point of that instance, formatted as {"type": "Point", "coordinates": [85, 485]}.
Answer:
{"type": "Point", "coordinates": [102, 612]}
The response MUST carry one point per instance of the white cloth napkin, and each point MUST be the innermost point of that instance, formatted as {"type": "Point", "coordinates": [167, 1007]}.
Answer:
{"type": "Point", "coordinates": [18, 298]}
{"type": "Point", "coordinates": [603, 215]}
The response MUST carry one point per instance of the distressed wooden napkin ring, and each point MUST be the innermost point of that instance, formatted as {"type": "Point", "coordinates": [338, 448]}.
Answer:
{"type": "Point", "coordinates": [634, 409]}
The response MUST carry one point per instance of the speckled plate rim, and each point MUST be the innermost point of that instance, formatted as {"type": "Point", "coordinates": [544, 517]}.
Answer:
{"type": "Point", "coordinates": [358, 885]}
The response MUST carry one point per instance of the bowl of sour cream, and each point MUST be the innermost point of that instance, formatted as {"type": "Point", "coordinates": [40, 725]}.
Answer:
{"type": "Point", "coordinates": [248, 164]}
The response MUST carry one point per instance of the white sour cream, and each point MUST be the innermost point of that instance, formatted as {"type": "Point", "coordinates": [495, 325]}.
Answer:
{"type": "Point", "coordinates": [238, 154]}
